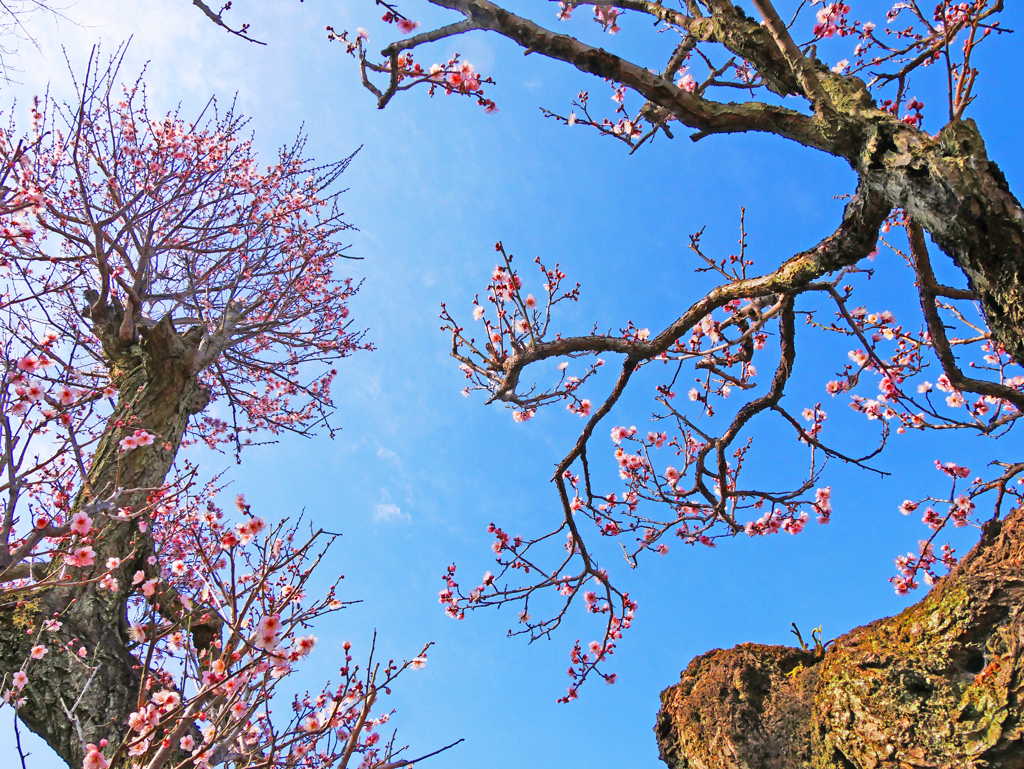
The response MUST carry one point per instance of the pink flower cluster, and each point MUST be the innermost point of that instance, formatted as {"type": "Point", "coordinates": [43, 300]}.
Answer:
{"type": "Point", "coordinates": [136, 439]}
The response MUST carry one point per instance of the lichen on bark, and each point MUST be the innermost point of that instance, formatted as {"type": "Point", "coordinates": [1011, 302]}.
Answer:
{"type": "Point", "coordinates": [940, 685]}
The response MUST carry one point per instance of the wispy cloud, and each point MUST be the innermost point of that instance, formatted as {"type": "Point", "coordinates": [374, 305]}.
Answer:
{"type": "Point", "coordinates": [390, 512]}
{"type": "Point", "coordinates": [389, 456]}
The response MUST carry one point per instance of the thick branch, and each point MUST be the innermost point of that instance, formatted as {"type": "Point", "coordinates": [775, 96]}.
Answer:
{"type": "Point", "coordinates": [691, 110]}
{"type": "Point", "coordinates": [929, 289]}
{"type": "Point", "coordinates": [854, 240]}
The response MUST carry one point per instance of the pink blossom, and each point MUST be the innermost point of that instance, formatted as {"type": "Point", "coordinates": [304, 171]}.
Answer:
{"type": "Point", "coordinates": [19, 679]}
{"type": "Point", "coordinates": [952, 469]}
{"type": "Point", "coordinates": [81, 523]}
{"type": "Point", "coordinates": [478, 312]}
{"type": "Point", "coordinates": [247, 531]}
{"type": "Point", "coordinates": [107, 582]}
{"type": "Point", "coordinates": [38, 652]}
{"type": "Point", "coordinates": [908, 507]}
{"type": "Point", "coordinates": [94, 759]}
{"type": "Point", "coordinates": [795, 525]}
{"type": "Point", "coordinates": [266, 632]}
{"type": "Point", "coordinates": [823, 501]}
{"type": "Point", "coordinates": [35, 391]}
{"type": "Point", "coordinates": [407, 26]}
{"type": "Point", "coordinates": [166, 698]}
{"type": "Point", "coordinates": [829, 18]}
{"type": "Point", "coordinates": [620, 433]}
{"type": "Point", "coordinates": [149, 587]}
{"type": "Point", "coordinates": [136, 439]}
{"type": "Point", "coordinates": [304, 645]}
{"type": "Point", "coordinates": [81, 557]}
{"type": "Point", "coordinates": [583, 409]}
{"type": "Point", "coordinates": [418, 663]}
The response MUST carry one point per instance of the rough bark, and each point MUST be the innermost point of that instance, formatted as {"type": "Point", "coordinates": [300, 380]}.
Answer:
{"type": "Point", "coordinates": [71, 701]}
{"type": "Point", "coordinates": [939, 685]}
{"type": "Point", "coordinates": [949, 186]}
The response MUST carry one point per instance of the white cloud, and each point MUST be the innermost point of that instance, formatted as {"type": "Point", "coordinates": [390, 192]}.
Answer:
{"type": "Point", "coordinates": [390, 512]}
{"type": "Point", "coordinates": [389, 456]}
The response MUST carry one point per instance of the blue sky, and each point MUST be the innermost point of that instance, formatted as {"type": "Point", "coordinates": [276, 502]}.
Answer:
{"type": "Point", "coordinates": [418, 471]}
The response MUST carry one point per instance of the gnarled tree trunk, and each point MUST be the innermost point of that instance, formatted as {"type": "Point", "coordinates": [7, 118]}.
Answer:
{"type": "Point", "coordinates": [939, 685]}
{"type": "Point", "coordinates": [72, 700]}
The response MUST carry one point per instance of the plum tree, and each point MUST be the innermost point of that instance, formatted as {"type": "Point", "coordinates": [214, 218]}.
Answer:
{"type": "Point", "coordinates": [161, 288]}
{"type": "Point", "coordinates": [935, 686]}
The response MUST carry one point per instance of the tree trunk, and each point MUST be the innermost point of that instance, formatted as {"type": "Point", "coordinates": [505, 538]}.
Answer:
{"type": "Point", "coordinates": [949, 186]}
{"type": "Point", "coordinates": [70, 699]}
{"type": "Point", "coordinates": [939, 685]}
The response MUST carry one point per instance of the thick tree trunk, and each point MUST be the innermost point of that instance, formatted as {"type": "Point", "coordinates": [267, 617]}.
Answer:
{"type": "Point", "coordinates": [950, 187]}
{"type": "Point", "coordinates": [72, 700]}
{"type": "Point", "coordinates": [939, 685]}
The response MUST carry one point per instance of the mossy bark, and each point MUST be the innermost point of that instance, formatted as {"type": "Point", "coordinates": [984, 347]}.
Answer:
{"type": "Point", "coordinates": [72, 700]}
{"type": "Point", "coordinates": [940, 685]}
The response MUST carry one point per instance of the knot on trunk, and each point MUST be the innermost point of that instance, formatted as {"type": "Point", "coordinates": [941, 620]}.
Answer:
{"type": "Point", "coordinates": [200, 400]}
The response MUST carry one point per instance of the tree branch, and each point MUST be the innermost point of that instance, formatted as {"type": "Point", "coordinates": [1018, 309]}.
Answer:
{"type": "Point", "coordinates": [217, 19]}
